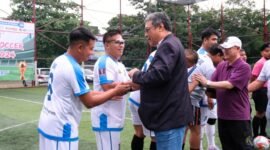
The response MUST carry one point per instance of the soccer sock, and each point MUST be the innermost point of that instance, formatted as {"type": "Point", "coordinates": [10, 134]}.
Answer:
{"type": "Point", "coordinates": [137, 143]}
{"type": "Point", "coordinates": [255, 125]}
{"type": "Point", "coordinates": [210, 134]}
{"type": "Point", "coordinates": [202, 134]}
{"type": "Point", "coordinates": [263, 126]}
{"type": "Point", "coordinates": [153, 145]}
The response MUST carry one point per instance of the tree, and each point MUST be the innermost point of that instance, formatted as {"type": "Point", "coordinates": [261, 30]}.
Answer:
{"type": "Point", "coordinates": [54, 20]}
{"type": "Point", "coordinates": [240, 19]}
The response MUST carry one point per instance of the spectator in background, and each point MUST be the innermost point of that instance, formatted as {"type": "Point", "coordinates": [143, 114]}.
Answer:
{"type": "Point", "coordinates": [165, 101]}
{"type": "Point", "coordinates": [108, 118]}
{"type": "Point", "coordinates": [261, 80]}
{"type": "Point", "coordinates": [22, 69]}
{"type": "Point", "coordinates": [260, 95]}
{"type": "Point", "coordinates": [243, 54]}
{"type": "Point", "coordinates": [67, 92]}
{"type": "Point", "coordinates": [230, 81]}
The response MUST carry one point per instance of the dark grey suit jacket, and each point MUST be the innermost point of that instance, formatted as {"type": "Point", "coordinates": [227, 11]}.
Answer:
{"type": "Point", "coordinates": [165, 100]}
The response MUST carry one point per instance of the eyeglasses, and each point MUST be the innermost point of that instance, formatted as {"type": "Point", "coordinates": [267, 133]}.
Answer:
{"type": "Point", "coordinates": [148, 29]}
{"type": "Point", "coordinates": [118, 42]}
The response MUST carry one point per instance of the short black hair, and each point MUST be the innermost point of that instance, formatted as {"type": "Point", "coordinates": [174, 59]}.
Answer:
{"type": "Point", "coordinates": [264, 46]}
{"type": "Point", "coordinates": [159, 17]}
{"type": "Point", "coordinates": [206, 33]}
{"type": "Point", "coordinates": [215, 49]}
{"type": "Point", "coordinates": [194, 56]}
{"type": "Point", "coordinates": [80, 34]}
{"type": "Point", "coordinates": [109, 34]}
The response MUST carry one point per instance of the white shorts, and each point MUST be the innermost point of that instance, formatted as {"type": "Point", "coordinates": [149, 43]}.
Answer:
{"type": "Point", "coordinates": [47, 144]}
{"type": "Point", "coordinates": [137, 121]}
{"type": "Point", "coordinates": [108, 140]}
{"type": "Point", "coordinates": [213, 112]}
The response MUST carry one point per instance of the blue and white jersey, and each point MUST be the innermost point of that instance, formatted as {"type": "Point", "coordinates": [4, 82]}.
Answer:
{"type": "Point", "coordinates": [61, 112]}
{"type": "Point", "coordinates": [198, 93]}
{"type": "Point", "coordinates": [109, 116]}
{"type": "Point", "coordinates": [134, 97]}
{"type": "Point", "coordinates": [205, 67]}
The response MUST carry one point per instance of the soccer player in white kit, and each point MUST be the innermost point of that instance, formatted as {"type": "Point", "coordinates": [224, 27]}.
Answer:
{"type": "Point", "coordinates": [134, 103]}
{"type": "Point", "coordinates": [67, 92]}
{"type": "Point", "coordinates": [208, 116]}
{"type": "Point", "coordinates": [108, 119]}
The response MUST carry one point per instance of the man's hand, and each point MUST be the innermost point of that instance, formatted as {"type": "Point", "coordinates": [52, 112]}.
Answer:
{"type": "Point", "coordinates": [133, 86]}
{"type": "Point", "coordinates": [132, 71]}
{"type": "Point", "coordinates": [122, 89]}
{"type": "Point", "coordinates": [200, 78]}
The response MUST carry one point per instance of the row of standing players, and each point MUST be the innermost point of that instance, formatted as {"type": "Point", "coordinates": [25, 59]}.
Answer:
{"type": "Point", "coordinates": [165, 107]}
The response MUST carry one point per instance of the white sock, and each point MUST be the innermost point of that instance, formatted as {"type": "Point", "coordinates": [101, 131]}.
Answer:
{"type": "Point", "coordinates": [202, 134]}
{"type": "Point", "coordinates": [210, 134]}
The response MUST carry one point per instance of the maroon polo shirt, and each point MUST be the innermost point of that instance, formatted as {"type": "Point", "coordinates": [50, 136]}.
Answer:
{"type": "Point", "coordinates": [233, 104]}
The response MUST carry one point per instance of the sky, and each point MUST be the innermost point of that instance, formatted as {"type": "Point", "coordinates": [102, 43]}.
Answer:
{"type": "Point", "coordinates": [99, 12]}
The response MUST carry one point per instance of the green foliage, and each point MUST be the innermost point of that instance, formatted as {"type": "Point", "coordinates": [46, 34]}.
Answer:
{"type": "Point", "coordinates": [54, 20]}
{"type": "Point", "coordinates": [240, 19]}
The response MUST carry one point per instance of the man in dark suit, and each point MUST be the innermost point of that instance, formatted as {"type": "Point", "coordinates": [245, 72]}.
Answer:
{"type": "Point", "coordinates": [165, 102]}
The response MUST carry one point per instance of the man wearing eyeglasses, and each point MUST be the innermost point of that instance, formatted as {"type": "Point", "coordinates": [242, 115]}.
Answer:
{"type": "Point", "coordinates": [165, 101]}
{"type": "Point", "coordinates": [108, 119]}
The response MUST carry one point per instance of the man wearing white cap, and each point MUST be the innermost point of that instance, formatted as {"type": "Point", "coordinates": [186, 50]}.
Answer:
{"type": "Point", "coordinates": [230, 81]}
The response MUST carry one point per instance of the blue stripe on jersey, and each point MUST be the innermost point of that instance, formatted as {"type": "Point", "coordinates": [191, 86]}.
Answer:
{"type": "Point", "coordinates": [102, 70]}
{"type": "Point", "coordinates": [204, 105]}
{"type": "Point", "coordinates": [202, 51]}
{"type": "Point", "coordinates": [107, 129]}
{"type": "Point", "coordinates": [145, 67]}
{"type": "Point", "coordinates": [67, 130]}
{"type": "Point", "coordinates": [79, 76]}
{"type": "Point", "coordinates": [104, 124]}
{"type": "Point", "coordinates": [134, 102]}
{"type": "Point", "coordinates": [55, 138]}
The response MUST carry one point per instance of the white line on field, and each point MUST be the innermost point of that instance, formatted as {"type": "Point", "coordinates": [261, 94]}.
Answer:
{"type": "Point", "coordinates": [18, 99]}
{"type": "Point", "coordinates": [17, 125]}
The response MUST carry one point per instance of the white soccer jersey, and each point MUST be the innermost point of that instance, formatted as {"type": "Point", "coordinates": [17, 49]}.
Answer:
{"type": "Point", "coordinates": [61, 112]}
{"type": "Point", "coordinates": [205, 67]}
{"type": "Point", "coordinates": [135, 97]}
{"type": "Point", "coordinates": [110, 115]}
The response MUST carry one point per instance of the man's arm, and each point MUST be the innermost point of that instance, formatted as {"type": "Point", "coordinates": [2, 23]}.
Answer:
{"type": "Point", "coordinates": [212, 84]}
{"type": "Point", "coordinates": [94, 98]}
{"type": "Point", "coordinates": [255, 85]}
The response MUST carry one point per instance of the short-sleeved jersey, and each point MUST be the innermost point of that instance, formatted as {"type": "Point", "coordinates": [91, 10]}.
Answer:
{"type": "Point", "coordinates": [265, 76]}
{"type": "Point", "coordinates": [198, 93]}
{"type": "Point", "coordinates": [135, 97]}
{"type": "Point", "coordinates": [61, 112]}
{"type": "Point", "coordinates": [205, 67]}
{"type": "Point", "coordinates": [258, 67]}
{"type": "Point", "coordinates": [110, 115]}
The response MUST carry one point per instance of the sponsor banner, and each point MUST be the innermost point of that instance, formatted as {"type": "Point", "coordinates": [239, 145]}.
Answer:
{"type": "Point", "coordinates": [16, 50]}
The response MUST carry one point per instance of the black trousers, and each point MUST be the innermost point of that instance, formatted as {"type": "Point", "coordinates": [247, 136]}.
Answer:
{"type": "Point", "coordinates": [235, 134]}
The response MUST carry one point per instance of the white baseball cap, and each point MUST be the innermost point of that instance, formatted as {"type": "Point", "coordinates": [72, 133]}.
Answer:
{"type": "Point", "coordinates": [231, 41]}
